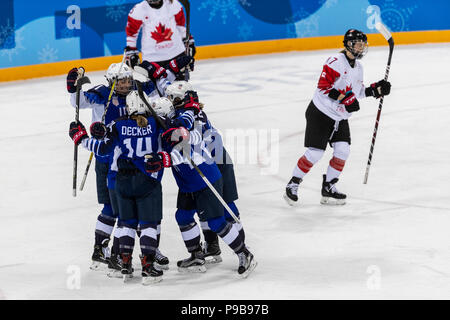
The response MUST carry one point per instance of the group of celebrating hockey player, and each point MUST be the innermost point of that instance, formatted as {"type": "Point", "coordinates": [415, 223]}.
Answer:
{"type": "Point", "coordinates": [146, 120]}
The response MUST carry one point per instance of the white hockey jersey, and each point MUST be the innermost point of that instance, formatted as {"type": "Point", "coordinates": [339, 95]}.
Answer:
{"type": "Point", "coordinates": [338, 74]}
{"type": "Point", "coordinates": [163, 30]}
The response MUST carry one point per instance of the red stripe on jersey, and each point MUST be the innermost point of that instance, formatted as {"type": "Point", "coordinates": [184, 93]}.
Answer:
{"type": "Point", "coordinates": [337, 163]}
{"type": "Point", "coordinates": [180, 19]}
{"type": "Point", "coordinates": [133, 26]}
{"type": "Point", "coordinates": [304, 164]}
{"type": "Point", "coordinates": [327, 78]}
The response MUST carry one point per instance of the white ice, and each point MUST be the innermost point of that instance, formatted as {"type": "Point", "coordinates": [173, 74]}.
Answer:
{"type": "Point", "coordinates": [390, 241]}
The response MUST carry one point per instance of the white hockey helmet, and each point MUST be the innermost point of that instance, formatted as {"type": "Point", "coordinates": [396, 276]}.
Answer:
{"type": "Point", "coordinates": [163, 107]}
{"type": "Point", "coordinates": [135, 105]}
{"type": "Point", "coordinates": [176, 91]}
{"type": "Point", "coordinates": [124, 75]}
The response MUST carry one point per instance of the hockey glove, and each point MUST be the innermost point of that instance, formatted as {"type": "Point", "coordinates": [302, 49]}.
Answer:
{"type": "Point", "coordinates": [98, 130]}
{"type": "Point", "coordinates": [350, 102]}
{"type": "Point", "coordinates": [174, 136]}
{"type": "Point", "coordinates": [71, 80]}
{"type": "Point", "coordinates": [132, 56]}
{"type": "Point", "coordinates": [155, 71]}
{"type": "Point", "coordinates": [191, 102]}
{"type": "Point", "coordinates": [178, 64]}
{"type": "Point", "coordinates": [156, 161]}
{"type": "Point", "coordinates": [77, 132]}
{"type": "Point", "coordinates": [379, 89]}
{"type": "Point", "coordinates": [191, 44]}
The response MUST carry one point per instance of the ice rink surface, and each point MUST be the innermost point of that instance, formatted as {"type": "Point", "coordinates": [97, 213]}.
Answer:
{"type": "Point", "coordinates": [390, 241]}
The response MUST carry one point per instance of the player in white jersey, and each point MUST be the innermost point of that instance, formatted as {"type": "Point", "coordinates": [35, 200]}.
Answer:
{"type": "Point", "coordinates": [336, 98]}
{"type": "Point", "coordinates": [163, 34]}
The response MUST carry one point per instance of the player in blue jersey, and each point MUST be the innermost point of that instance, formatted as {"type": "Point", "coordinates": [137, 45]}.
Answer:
{"type": "Point", "coordinates": [98, 99]}
{"type": "Point", "coordinates": [140, 160]}
{"type": "Point", "coordinates": [195, 196]}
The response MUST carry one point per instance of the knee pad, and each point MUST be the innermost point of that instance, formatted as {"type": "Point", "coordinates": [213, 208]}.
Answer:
{"type": "Point", "coordinates": [131, 223]}
{"type": "Point", "coordinates": [341, 150]}
{"type": "Point", "coordinates": [313, 155]}
{"type": "Point", "coordinates": [233, 208]}
{"type": "Point", "coordinates": [217, 224]}
{"type": "Point", "coordinates": [107, 210]}
{"type": "Point", "coordinates": [184, 217]}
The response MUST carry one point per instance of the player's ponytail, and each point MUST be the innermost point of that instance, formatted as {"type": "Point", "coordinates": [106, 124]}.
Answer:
{"type": "Point", "coordinates": [141, 121]}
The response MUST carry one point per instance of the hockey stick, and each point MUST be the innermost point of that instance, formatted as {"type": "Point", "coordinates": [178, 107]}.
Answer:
{"type": "Point", "coordinates": [164, 126]}
{"type": "Point", "coordinates": [187, 8]}
{"type": "Point", "coordinates": [103, 121]}
{"type": "Point", "coordinates": [79, 82]}
{"type": "Point", "coordinates": [383, 30]}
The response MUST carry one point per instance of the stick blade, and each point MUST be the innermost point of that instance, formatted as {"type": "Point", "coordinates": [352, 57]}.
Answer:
{"type": "Point", "coordinates": [383, 30]}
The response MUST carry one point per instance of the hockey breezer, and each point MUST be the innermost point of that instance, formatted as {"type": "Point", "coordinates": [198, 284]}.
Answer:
{"type": "Point", "coordinates": [387, 35]}
{"type": "Point", "coordinates": [81, 79]}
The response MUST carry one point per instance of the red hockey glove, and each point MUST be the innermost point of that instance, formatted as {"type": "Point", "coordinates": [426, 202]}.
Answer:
{"type": "Point", "coordinates": [77, 132]}
{"type": "Point", "coordinates": [379, 89]}
{"type": "Point", "coordinates": [155, 71]}
{"type": "Point", "coordinates": [154, 162]}
{"type": "Point", "coordinates": [174, 136]}
{"type": "Point", "coordinates": [98, 130]}
{"type": "Point", "coordinates": [350, 102]}
{"type": "Point", "coordinates": [191, 101]}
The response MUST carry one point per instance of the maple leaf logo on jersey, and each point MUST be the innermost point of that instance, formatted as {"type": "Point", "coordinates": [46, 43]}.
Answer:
{"type": "Point", "coordinates": [162, 33]}
{"type": "Point", "coordinates": [347, 89]}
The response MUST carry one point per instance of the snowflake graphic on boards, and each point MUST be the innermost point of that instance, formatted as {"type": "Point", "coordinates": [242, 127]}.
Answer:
{"type": "Point", "coordinates": [7, 35]}
{"type": "Point", "coordinates": [224, 7]}
{"type": "Point", "coordinates": [115, 9]}
{"type": "Point", "coordinates": [396, 17]}
{"type": "Point", "coordinates": [47, 54]}
{"type": "Point", "coordinates": [245, 31]}
{"type": "Point", "coordinates": [15, 50]}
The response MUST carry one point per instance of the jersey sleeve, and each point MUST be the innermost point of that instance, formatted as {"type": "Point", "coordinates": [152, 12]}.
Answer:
{"type": "Point", "coordinates": [105, 146]}
{"type": "Point", "coordinates": [360, 89]}
{"type": "Point", "coordinates": [180, 18]}
{"type": "Point", "coordinates": [134, 24]}
{"type": "Point", "coordinates": [330, 73]}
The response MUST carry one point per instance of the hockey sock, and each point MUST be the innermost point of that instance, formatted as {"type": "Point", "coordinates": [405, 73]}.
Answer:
{"type": "Point", "coordinates": [337, 163]}
{"type": "Point", "coordinates": [230, 219]}
{"type": "Point", "coordinates": [228, 232]}
{"type": "Point", "coordinates": [115, 246]}
{"type": "Point", "coordinates": [305, 163]}
{"type": "Point", "coordinates": [126, 240]}
{"type": "Point", "coordinates": [210, 236]}
{"type": "Point", "coordinates": [191, 236]}
{"type": "Point", "coordinates": [148, 240]}
{"type": "Point", "coordinates": [104, 227]}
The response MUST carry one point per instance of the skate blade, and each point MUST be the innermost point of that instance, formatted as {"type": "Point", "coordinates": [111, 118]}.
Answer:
{"type": "Point", "coordinates": [151, 280]}
{"type": "Point", "coordinates": [213, 259]}
{"type": "Point", "coordinates": [252, 267]}
{"type": "Point", "coordinates": [289, 201]}
{"type": "Point", "coordinates": [161, 266]}
{"type": "Point", "coordinates": [332, 202]}
{"type": "Point", "coordinates": [127, 277]}
{"type": "Point", "coordinates": [192, 269]}
{"type": "Point", "coordinates": [114, 274]}
{"type": "Point", "coordinates": [97, 265]}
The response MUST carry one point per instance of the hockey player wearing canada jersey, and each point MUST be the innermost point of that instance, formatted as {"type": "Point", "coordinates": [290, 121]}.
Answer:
{"type": "Point", "coordinates": [138, 186]}
{"type": "Point", "coordinates": [195, 196]}
{"type": "Point", "coordinates": [98, 99]}
{"type": "Point", "coordinates": [335, 99]}
{"type": "Point", "coordinates": [163, 34]}
{"type": "Point", "coordinates": [185, 118]}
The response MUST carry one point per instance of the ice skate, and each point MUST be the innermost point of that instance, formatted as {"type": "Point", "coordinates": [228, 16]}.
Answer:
{"type": "Point", "coordinates": [100, 256]}
{"type": "Point", "coordinates": [161, 261]}
{"type": "Point", "coordinates": [194, 264]}
{"type": "Point", "coordinates": [290, 195]}
{"type": "Point", "coordinates": [127, 267]}
{"type": "Point", "coordinates": [211, 252]}
{"type": "Point", "coordinates": [150, 274]}
{"type": "Point", "coordinates": [247, 263]}
{"type": "Point", "coordinates": [330, 195]}
{"type": "Point", "coordinates": [114, 266]}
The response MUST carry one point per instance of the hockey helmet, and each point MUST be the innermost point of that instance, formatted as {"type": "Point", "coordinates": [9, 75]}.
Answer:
{"type": "Point", "coordinates": [124, 75]}
{"type": "Point", "coordinates": [135, 105]}
{"type": "Point", "coordinates": [176, 91]}
{"type": "Point", "coordinates": [355, 42]}
{"type": "Point", "coordinates": [163, 107]}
